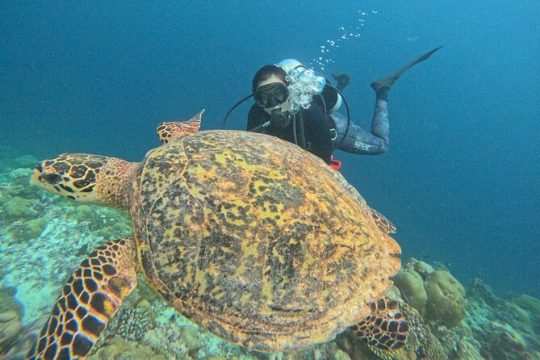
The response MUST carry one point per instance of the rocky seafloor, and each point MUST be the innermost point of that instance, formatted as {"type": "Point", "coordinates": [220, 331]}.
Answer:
{"type": "Point", "coordinates": [44, 237]}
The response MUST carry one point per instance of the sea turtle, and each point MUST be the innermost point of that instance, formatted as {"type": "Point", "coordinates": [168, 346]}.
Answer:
{"type": "Point", "coordinates": [249, 236]}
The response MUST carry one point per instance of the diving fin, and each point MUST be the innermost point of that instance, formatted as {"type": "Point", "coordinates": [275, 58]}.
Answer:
{"type": "Point", "coordinates": [389, 80]}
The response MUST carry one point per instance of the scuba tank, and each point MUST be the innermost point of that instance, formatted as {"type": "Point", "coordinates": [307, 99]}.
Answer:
{"type": "Point", "coordinates": [313, 83]}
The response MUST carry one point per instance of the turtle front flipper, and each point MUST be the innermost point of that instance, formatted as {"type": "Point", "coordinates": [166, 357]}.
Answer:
{"type": "Point", "coordinates": [385, 328]}
{"type": "Point", "coordinates": [171, 130]}
{"type": "Point", "coordinates": [89, 299]}
{"type": "Point", "coordinates": [87, 178]}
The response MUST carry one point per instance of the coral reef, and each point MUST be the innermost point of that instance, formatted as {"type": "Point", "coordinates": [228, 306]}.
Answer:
{"type": "Point", "coordinates": [504, 328]}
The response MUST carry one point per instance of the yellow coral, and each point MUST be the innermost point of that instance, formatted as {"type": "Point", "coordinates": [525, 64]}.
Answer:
{"type": "Point", "coordinates": [446, 302]}
{"type": "Point", "coordinates": [411, 286]}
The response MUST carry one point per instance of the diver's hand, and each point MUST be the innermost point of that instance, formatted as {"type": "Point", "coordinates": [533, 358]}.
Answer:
{"type": "Point", "coordinates": [342, 80]}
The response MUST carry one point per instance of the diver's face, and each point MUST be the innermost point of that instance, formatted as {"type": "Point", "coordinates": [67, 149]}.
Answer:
{"type": "Point", "coordinates": [271, 80]}
{"type": "Point", "coordinates": [271, 93]}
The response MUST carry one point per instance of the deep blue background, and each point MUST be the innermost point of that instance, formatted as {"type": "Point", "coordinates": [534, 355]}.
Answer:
{"type": "Point", "coordinates": [461, 179]}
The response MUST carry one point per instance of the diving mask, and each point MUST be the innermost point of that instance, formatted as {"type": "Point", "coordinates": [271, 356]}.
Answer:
{"type": "Point", "coordinates": [271, 95]}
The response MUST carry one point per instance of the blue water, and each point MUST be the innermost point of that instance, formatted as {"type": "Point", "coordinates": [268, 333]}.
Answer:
{"type": "Point", "coordinates": [462, 177]}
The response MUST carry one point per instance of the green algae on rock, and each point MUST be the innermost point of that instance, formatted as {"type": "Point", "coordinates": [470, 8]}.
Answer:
{"type": "Point", "coordinates": [16, 207]}
{"type": "Point", "coordinates": [10, 318]}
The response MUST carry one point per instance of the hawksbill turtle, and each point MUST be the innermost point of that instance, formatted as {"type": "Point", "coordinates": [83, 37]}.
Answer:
{"type": "Point", "coordinates": [249, 236]}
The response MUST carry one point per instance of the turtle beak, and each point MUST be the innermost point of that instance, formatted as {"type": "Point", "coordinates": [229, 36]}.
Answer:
{"type": "Point", "coordinates": [47, 180]}
{"type": "Point", "coordinates": [51, 178]}
{"type": "Point", "coordinates": [40, 178]}
{"type": "Point", "coordinates": [36, 175]}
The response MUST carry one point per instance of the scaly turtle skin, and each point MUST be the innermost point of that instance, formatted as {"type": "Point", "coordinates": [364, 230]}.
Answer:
{"type": "Point", "coordinates": [249, 236]}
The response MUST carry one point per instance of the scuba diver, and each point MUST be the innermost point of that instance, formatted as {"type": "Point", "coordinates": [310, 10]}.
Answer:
{"type": "Point", "coordinates": [300, 106]}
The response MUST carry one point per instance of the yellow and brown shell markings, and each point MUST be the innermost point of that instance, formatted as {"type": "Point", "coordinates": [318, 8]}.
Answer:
{"type": "Point", "coordinates": [257, 240]}
{"type": "Point", "coordinates": [250, 236]}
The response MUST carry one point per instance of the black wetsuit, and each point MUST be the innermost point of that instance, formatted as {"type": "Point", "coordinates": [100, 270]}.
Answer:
{"type": "Point", "coordinates": [325, 129]}
{"type": "Point", "coordinates": [319, 129]}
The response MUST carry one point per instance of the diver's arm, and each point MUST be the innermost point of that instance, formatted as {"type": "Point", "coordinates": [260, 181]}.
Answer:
{"type": "Point", "coordinates": [318, 127]}
{"type": "Point", "coordinates": [256, 117]}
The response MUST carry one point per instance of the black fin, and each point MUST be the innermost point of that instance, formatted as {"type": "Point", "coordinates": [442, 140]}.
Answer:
{"type": "Point", "coordinates": [389, 80]}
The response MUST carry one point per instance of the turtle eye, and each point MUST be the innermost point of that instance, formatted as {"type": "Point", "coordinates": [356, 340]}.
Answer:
{"type": "Point", "coordinates": [52, 179]}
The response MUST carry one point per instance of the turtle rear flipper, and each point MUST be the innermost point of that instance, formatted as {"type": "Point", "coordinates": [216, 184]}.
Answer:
{"type": "Point", "coordinates": [382, 222]}
{"type": "Point", "coordinates": [89, 299]}
{"type": "Point", "coordinates": [385, 328]}
{"type": "Point", "coordinates": [170, 130]}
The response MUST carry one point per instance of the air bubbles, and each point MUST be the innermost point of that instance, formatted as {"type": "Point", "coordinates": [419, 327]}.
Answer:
{"type": "Point", "coordinates": [344, 33]}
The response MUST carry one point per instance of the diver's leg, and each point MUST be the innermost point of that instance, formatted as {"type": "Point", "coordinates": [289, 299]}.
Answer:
{"type": "Point", "coordinates": [380, 123]}
{"type": "Point", "coordinates": [354, 139]}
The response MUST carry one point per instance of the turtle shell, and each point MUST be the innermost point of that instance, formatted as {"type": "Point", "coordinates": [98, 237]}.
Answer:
{"type": "Point", "coordinates": [257, 240]}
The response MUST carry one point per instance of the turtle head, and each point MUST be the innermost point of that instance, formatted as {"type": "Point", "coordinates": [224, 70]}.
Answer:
{"type": "Point", "coordinates": [86, 178]}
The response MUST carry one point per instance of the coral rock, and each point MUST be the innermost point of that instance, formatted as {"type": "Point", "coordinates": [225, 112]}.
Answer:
{"type": "Point", "coordinates": [119, 349]}
{"type": "Point", "coordinates": [16, 207]}
{"type": "Point", "coordinates": [10, 327]}
{"type": "Point", "coordinates": [465, 350]}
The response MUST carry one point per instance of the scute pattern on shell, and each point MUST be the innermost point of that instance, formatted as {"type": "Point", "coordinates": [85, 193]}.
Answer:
{"type": "Point", "coordinates": [258, 240]}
